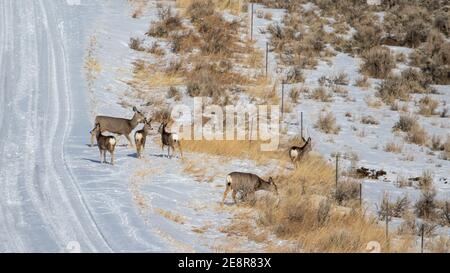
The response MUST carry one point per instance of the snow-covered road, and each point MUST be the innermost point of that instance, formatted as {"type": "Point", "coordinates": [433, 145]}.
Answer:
{"type": "Point", "coordinates": [41, 205]}
{"type": "Point", "coordinates": [54, 194]}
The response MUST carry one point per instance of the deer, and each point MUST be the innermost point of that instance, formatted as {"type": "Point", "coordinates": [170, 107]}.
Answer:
{"type": "Point", "coordinates": [169, 139]}
{"type": "Point", "coordinates": [119, 126]}
{"type": "Point", "coordinates": [105, 143]}
{"type": "Point", "coordinates": [141, 136]}
{"type": "Point", "coordinates": [296, 153]}
{"type": "Point", "coordinates": [247, 184]}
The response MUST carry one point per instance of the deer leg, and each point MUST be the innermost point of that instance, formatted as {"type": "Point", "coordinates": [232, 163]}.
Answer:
{"type": "Point", "coordinates": [104, 157]}
{"type": "Point", "coordinates": [227, 190]}
{"type": "Point", "coordinates": [129, 140]}
{"type": "Point", "coordinates": [143, 149]}
{"type": "Point", "coordinates": [112, 158]}
{"type": "Point", "coordinates": [179, 148]}
{"type": "Point", "coordinates": [234, 196]}
{"type": "Point", "coordinates": [168, 151]}
{"type": "Point", "coordinates": [92, 139]}
{"type": "Point", "coordinates": [101, 157]}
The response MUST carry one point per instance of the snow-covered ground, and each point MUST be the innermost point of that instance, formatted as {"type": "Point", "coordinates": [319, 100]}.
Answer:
{"type": "Point", "coordinates": [54, 191]}
{"type": "Point", "coordinates": [55, 194]}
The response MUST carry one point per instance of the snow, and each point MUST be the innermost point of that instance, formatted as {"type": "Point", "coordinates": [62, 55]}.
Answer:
{"type": "Point", "coordinates": [55, 192]}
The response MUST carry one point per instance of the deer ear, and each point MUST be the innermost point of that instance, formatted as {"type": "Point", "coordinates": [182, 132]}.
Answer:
{"type": "Point", "coordinates": [134, 109]}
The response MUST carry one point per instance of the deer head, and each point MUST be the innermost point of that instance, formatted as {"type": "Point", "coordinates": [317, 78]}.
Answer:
{"type": "Point", "coordinates": [138, 115]}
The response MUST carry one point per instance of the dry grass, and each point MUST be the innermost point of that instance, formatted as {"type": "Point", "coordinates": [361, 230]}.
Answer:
{"type": "Point", "coordinates": [369, 120]}
{"type": "Point", "coordinates": [321, 94]}
{"type": "Point", "coordinates": [393, 147]}
{"type": "Point", "coordinates": [406, 123]}
{"type": "Point", "coordinates": [147, 76]}
{"type": "Point", "coordinates": [175, 217]}
{"type": "Point", "coordinates": [446, 149]}
{"type": "Point", "coordinates": [417, 135]}
{"type": "Point", "coordinates": [327, 123]}
{"type": "Point", "coordinates": [312, 220]}
{"type": "Point", "coordinates": [378, 62]}
{"type": "Point", "coordinates": [363, 82]}
{"type": "Point", "coordinates": [428, 106]}
{"type": "Point", "coordinates": [234, 149]}
{"type": "Point", "coordinates": [139, 7]}
{"type": "Point", "coordinates": [397, 209]}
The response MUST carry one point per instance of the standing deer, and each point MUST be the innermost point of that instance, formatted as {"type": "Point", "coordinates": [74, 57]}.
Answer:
{"type": "Point", "coordinates": [141, 136]}
{"type": "Point", "coordinates": [169, 139]}
{"type": "Point", "coordinates": [120, 126]}
{"type": "Point", "coordinates": [247, 184]}
{"type": "Point", "coordinates": [105, 143]}
{"type": "Point", "coordinates": [297, 153]}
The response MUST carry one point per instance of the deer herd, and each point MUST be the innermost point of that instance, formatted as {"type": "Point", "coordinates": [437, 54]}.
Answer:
{"type": "Point", "coordinates": [246, 184]}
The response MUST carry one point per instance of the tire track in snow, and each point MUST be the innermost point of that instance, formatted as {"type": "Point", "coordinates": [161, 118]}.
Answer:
{"type": "Point", "coordinates": [42, 211]}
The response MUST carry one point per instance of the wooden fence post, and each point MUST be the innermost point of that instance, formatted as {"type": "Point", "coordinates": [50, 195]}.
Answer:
{"type": "Point", "coordinates": [337, 169]}
{"type": "Point", "coordinates": [422, 233]}
{"type": "Point", "coordinates": [267, 59]}
{"type": "Point", "coordinates": [251, 23]}
{"type": "Point", "coordinates": [301, 124]}
{"type": "Point", "coordinates": [282, 100]}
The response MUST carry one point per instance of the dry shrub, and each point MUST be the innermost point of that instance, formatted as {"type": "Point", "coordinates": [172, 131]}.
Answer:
{"type": "Point", "coordinates": [444, 214]}
{"type": "Point", "coordinates": [184, 41]}
{"type": "Point", "coordinates": [428, 106]}
{"type": "Point", "coordinates": [393, 147]}
{"type": "Point", "coordinates": [167, 23]}
{"type": "Point", "coordinates": [391, 89]}
{"type": "Point", "coordinates": [409, 25]}
{"type": "Point", "coordinates": [346, 191]}
{"type": "Point", "coordinates": [378, 62]}
{"type": "Point", "coordinates": [442, 22]}
{"type": "Point", "coordinates": [406, 123]}
{"type": "Point", "coordinates": [433, 58]}
{"type": "Point", "coordinates": [426, 206]}
{"type": "Point", "coordinates": [441, 244]}
{"type": "Point", "coordinates": [369, 120]}
{"type": "Point", "coordinates": [446, 149]}
{"type": "Point", "coordinates": [136, 44]}
{"type": "Point", "coordinates": [321, 94]}
{"type": "Point", "coordinates": [217, 34]}
{"type": "Point", "coordinates": [436, 143]}
{"type": "Point", "coordinates": [362, 82]}
{"type": "Point", "coordinates": [393, 209]}
{"type": "Point", "coordinates": [417, 135]}
{"type": "Point", "coordinates": [213, 80]}
{"type": "Point", "coordinates": [341, 79]}
{"type": "Point", "coordinates": [415, 81]}
{"type": "Point", "coordinates": [294, 45]}
{"type": "Point", "coordinates": [295, 75]}
{"type": "Point", "coordinates": [156, 49]}
{"type": "Point", "coordinates": [294, 94]}
{"type": "Point", "coordinates": [327, 123]}
{"type": "Point", "coordinates": [199, 9]}
{"type": "Point", "coordinates": [162, 115]}
{"type": "Point", "coordinates": [174, 93]}
{"type": "Point", "coordinates": [312, 220]}
{"type": "Point", "coordinates": [366, 37]}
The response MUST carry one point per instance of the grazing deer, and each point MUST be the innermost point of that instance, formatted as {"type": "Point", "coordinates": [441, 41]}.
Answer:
{"type": "Point", "coordinates": [247, 184]}
{"type": "Point", "coordinates": [297, 153]}
{"type": "Point", "coordinates": [141, 136]}
{"type": "Point", "coordinates": [105, 143]}
{"type": "Point", "coordinates": [120, 126]}
{"type": "Point", "coordinates": [169, 139]}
